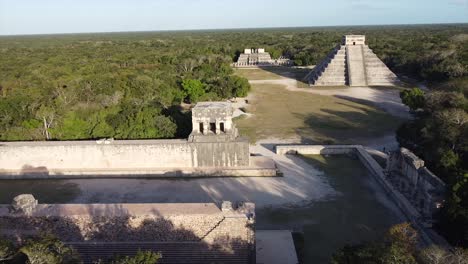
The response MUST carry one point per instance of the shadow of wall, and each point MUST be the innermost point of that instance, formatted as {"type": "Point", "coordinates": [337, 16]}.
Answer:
{"type": "Point", "coordinates": [111, 231]}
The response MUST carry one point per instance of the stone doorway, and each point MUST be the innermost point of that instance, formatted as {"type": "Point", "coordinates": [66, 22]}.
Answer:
{"type": "Point", "coordinates": [221, 127]}
{"type": "Point", "coordinates": [201, 128]}
{"type": "Point", "coordinates": [213, 127]}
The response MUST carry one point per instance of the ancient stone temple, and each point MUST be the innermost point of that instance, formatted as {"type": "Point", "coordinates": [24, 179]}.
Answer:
{"type": "Point", "coordinates": [424, 190]}
{"type": "Point", "coordinates": [259, 57]}
{"type": "Point", "coordinates": [352, 63]}
{"type": "Point", "coordinates": [213, 148]}
{"type": "Point", "coordinates": [212, 121]}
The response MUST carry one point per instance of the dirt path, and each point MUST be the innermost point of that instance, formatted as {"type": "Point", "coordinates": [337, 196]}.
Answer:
{"type": "Point", "coordinates": [300, 184]}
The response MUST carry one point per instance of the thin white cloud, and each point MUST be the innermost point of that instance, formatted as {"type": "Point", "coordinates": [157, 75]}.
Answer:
{"type": "Point", "coordinates": [459, 2]}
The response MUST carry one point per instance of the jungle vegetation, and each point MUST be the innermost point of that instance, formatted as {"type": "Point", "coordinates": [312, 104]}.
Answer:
{"type": "Point", "coordinates": [131, 85]}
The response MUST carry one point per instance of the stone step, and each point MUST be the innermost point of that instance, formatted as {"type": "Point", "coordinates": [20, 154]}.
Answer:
{"type": "Point", "coordinates": [356, 70]}
{"type": "Point", "coordinates": [172, 252]}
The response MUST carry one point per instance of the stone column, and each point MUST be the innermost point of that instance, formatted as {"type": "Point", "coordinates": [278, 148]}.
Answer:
{"type": "Point", "coordinates": [218, 129]}
{"type": "Point", "coordinates": [206, 128]}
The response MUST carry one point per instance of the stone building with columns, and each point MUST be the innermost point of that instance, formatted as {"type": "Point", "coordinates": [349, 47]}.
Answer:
{"type": "Point", "coordinates": [258, 58]}
{"type": "Point", "coordinates": [212, 121]}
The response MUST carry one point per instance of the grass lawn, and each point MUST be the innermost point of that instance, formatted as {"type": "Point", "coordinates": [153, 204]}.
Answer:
{"type": "Point", "coordinates": [358, 214]}
{"type": "Point", "coordinates": [280, 113]}
{"type": "Point", "coordinates": [271, 73]}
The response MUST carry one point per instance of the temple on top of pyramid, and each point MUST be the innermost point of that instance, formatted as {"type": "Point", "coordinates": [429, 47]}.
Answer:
{"type": "Point", "coordinates": [259, 57]}
{"type": "Point", "coordinates": [352, 63]}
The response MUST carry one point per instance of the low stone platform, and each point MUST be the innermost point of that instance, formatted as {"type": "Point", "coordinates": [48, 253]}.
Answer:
{"type": "Point", "coordinates": [269, 244]}
{"type": "Point", "coordinates": [259, 167]}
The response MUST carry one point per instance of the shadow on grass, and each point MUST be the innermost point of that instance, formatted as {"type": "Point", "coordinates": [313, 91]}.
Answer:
{"type": "Point", "coordinates": [353, 216]}
{"type": "Point", "coordinates": [345, 127]}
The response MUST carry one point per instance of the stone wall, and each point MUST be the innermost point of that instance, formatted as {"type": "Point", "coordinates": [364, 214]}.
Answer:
{"type": "Point", "coordinates": [315, 149]}
{"type": "Point", "coordinates": [144, 155]}
{"type": "Point", "coordinates": [182, 233]}
{"type": "Point", "coordinates": [416, 182]}
{"type": "Point", "coordinates": [131, 222]}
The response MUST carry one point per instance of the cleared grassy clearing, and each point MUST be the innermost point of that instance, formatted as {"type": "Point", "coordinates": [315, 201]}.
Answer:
{"type": "Point", "coordinates": [354, 216]}
{"type": "Point", "coordinates": [280, 113]}
{"type": "Point", "coordinates": [272, 73]}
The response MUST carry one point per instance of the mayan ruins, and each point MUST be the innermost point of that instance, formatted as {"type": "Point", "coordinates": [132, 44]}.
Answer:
{"type": "Point", "coordinates": [182, 233]}
{"type": "Point", "coordinates": [259, 57]}
{"type": "Point", "coordinates": [424, 190]}
{"type": "Point", "coordinates": [219, 132]}
{"type": "Point", "coordinates": [352, 63]}
{"type": "Point", "coordinates": [213, 148]}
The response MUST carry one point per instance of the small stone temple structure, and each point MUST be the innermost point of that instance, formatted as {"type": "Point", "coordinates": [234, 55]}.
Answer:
{"type": "Point", "coordinates": [213, 148]}
{"type": "Point", "coordinates": [212, 122]}
{"type": "Point", "coordinates": [424, 190]}
{"type": "Point", "coordinates": [352, 63]}
{"type": "Point", "coordinates": [182, 233]}
{"type": "Point", "coordinates": [258, 57]}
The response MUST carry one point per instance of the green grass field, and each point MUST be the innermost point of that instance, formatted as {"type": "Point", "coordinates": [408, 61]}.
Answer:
{"type": "Point", "coordinates": [353, 216]}
{"type": "Point", "coordinates": [280, 113]}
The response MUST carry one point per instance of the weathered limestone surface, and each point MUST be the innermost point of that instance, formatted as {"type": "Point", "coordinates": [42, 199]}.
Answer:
{"type": "Point", "coordinates": [24, 204]}
{"type": "Point", "coordinates": [355, 59]}
{"type": "Point", "coordinates": [352, 63]}
{"type": "Point", "coordinates": [129, 222]}
{"type": "Point", "coordinates": [419, 185]}
{"type": "Point", "coordinates": [331, 71]}
{"type": "Point", "coordinates": [203, 230]}
{"type": "Point", "coordinates": [378, 74]}
{"type": "Point", "coordinates": [51, 156]}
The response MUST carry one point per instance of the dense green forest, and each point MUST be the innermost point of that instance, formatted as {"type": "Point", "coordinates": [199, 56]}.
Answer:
{"type": "Point", "coordinates": [131, 85]}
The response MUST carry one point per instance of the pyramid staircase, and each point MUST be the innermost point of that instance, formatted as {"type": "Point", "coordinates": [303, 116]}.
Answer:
{"type": "Point", "coordinates": [377, 72]}
{"type": "Point", "coordinates": [356, 67]}
{"type": "Point", "coordinates": [353, 65]}
{"type": "Point", "coordinates": [331, 71]}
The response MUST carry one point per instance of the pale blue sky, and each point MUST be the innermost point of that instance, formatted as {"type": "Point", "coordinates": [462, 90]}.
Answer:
{"type": "Point", "coordinates": [67, 16]}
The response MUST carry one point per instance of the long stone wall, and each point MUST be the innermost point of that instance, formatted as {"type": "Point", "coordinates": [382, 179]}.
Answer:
{"type": "Point", "coordinates": [416, 182]}
{"type": "Point", "coordinates": [96, 157]}
{"type": "Point", "coordinates": [315, 149]}
{"type": "Point", "coordinates": [205, 226]}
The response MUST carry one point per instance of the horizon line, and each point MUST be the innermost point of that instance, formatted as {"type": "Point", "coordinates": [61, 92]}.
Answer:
{"type": "Point", "coordinates": [227, 29]}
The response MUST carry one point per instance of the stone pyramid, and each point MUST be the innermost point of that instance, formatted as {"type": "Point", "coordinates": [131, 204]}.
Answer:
{"type": "Point", "coordinates": [352, 63]}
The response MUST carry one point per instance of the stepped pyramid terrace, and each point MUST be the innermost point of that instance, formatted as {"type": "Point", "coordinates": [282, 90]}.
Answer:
{"type": "Point", "coordinates": [352, 63]}
{"type": "Point", "coordinates": [259, 57]}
